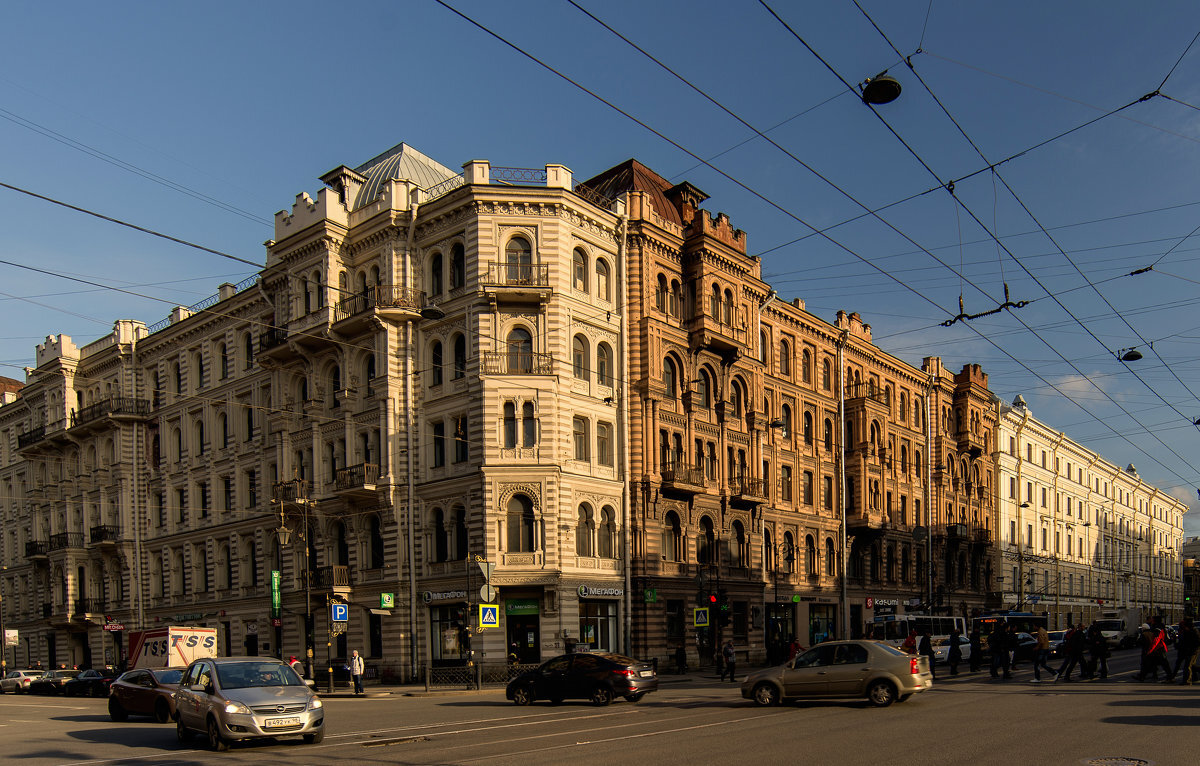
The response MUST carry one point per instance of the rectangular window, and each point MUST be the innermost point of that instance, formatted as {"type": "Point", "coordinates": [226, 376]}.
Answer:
{"type": "Point", "coordinates": [739, 613]}
{"type": "Point", "coordinates": [181, 504]}
{"type": "Point", "coordinates": [827, 493]}
{"type": "Point", "coordinates": [1012, 487]}
{"type": "Point", "coordinates": [1012, 531]}
{"type": "Point", "coordinates": [1044, 538]}
{"type": "Point", "coordinates": [579, 429]}
{"type": "Point", "coordinates": [251, 489]}
{"type": "Point", "coordinates": [202, 495]}
{"type": "Point", "coordinates": [439, 444]}
{"type": "Point", "coordinates": [228, 487]}
{"type": "Point", "coordinates": [160, 508]}
{"type": "Point", "coordinates": [604, 443]}
{"type": "Point", "coordinates": [785, 483]}
{"type": "Point", "coordinates": [675, 618]}
{"type": "Point", "coordinates": [462, 452]}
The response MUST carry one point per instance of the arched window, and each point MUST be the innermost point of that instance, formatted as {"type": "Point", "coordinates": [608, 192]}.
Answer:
{"type": "Point", "coordinates": [335, 388]}
{"type": "Point", "coordinates": [579, 270]}
{"type": "Point", "coordinates": [199, 437]}
{"type": "Point", "coordinates": [519, 266]}
{"type": "Point", "coordinates": [585, 529]}
{"type": "Point", "coordinates": [579, 357]}
{"type": "Point", "coordinates": [458, 267]}
{"type": "Point", "coordinates": [247, 351]}
{"type": "Point", "coordinates": [436, 285]}
{"type": "Point", "coordinates": [808, 428]}
{"type": "Point", "coordinates": [223, 426]}
{"type": "Point", "coordinates": [661, 297]}
{"type": "Point", "coordinates": [762, 346]}
{"type": "Point", "coordinates": [790, 551]}
{"type": "Point", "coordinates": [810, 555]}
{"type": "Point", "coordinates": [603, 280]}
{"type": "Point", "coordinates": [440, 538]}
{"type": "Point", "coordinates": [831, 568]}
{"type": "Point", "coordinates": [737, 545]}
{"type": "Point", "coordinates": [806, 366]}
{"type": "Point", "coordinates": [520, 525]}
{"type": "Point", "coordinates": [672, 543]}
{"type": "Point", "coordinates": [786, 416]}
{"type": "Point", "coordinates": [706, 542]}
{"type": "Point", "coordinates": [828, 435]}
{"type": "Point", "coordinates": [727, 309]}
{"type": "Point", "coordinates": [520, 351]}
{"type": "Point", "coordinates": [510, 425]}
{"type": "Point", "coordinates": [435, 363]}
{"type": "Point", "coordinates": [670, 379]}
{"type": "Point", "coordinates": [714, 302]}
{"type": "Point", "coordinates": [223, 359]}
{"type": "Point", "coordinates": [369, 368]}
{"type": "Point", "coordinates": [608, 533]}
{"type": "Point", "coordinates": [785, 359]}
{"type": "Point", "coordinates": [604, 364]}
{"type": "Point", "coordinates": [826, 375]}
{"type": "Point", "coordinates": [704, 390]}
{"type": "Point", "coordinates": [460, 356]}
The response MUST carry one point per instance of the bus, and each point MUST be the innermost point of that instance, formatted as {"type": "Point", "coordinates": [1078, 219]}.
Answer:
{"type": "Point", "coordinates": [1024, 622]}
{"type": "Point", "coordinates": [895, 628]}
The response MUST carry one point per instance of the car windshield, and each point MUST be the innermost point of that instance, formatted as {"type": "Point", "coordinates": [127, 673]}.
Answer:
{"type": "Point", "coordinates": [170, 676]}
{"type": "Point", "coordinates": [241, 675]}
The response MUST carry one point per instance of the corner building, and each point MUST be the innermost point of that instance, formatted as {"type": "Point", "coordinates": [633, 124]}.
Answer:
{"type": "Point", "coordinates": [754, 423]}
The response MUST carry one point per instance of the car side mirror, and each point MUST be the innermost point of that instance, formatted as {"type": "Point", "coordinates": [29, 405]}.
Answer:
{"type": "Point", "coordinates": [310, 683]}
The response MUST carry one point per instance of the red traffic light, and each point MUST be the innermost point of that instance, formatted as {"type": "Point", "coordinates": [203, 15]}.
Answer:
{"type": "Point", "coordinates": [712, 598]}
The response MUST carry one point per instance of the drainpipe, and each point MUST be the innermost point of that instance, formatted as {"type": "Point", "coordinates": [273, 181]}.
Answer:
{"type": "Point", "coordinates": [929, 495]}
{"type": "Point", "coordinates": [622, 421]}
{"type": "Point", "coordinates": [414, 206]}
{"type": "Point", "coordinates": [844, 632]}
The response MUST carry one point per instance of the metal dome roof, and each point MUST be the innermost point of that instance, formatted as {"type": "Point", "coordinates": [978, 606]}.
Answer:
{"type": "Point", "coordinates": [401, 162]}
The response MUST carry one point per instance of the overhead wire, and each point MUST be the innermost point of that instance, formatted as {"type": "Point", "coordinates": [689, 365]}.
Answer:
{"type": "Point", "coordinates": [921, 161]}
{"type": "Point", "coordinates": [739, 183]}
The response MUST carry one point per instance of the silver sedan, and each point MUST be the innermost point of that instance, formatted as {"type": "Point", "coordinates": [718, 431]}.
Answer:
{"type": "Point", "coordinates": [873, 670]}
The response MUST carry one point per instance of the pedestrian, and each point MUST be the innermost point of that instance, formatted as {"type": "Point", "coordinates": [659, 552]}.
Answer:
{"type": "Point", "coordinates": [1014, 643]}
{"type": "Point", "coordinates": [681, 660]}
{"type": "Point", "coordinates": [1186, 649]}
{"type": "Point", "coordinates": [356, 671]}
{"type": "Point", "coordinates": [976, 640]}
{"type": "Point", "coordinates": [730, 657]}
{"type": "Point", "coordinates": [296, 665]}
{"type": "Point", "coordinates": [1154, 653]}
{"type": "Point", "coordinates": [910, 643]}
{"type": "Point", "coordinates": [998, 646]}
{"type": "Point", "coordinates": [1041, 654]}
{"type": "Point", "coordinates": [954, 653]}
{"type": "Point", "coordinates": [925, 648]}
{"type": "Point", "coordinates": [794, 648]}
{"type": "Point", "coordinates": [1097, 646]}
{"type": "Point", "coordinates": [1073, 645]}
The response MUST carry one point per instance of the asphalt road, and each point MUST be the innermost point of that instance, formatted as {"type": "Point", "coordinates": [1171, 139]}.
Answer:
{"type": "Point", "coordinates": [697, 720]}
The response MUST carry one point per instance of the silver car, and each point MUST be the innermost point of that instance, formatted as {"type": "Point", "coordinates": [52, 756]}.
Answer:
{"type": "Point", "coordinates": [235, 698]}
{"type": "Point", "coordinates": [872, 669]}
{"type": "Point", "coordinates": [18, 680]}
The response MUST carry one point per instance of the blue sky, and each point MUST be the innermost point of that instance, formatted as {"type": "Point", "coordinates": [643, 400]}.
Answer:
{"type": "Point", "coordinates": [202, 121]}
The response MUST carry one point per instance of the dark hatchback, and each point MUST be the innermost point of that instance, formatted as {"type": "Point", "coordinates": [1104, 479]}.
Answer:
{"type": "Point", "coordinates": [90, 683]}
{"type": "Point", "coordinates": [595, 676]}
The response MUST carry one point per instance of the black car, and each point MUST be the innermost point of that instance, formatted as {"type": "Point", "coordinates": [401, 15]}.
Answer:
{"type": "Point", "coordinates": [90, 683]}
{"type": "Point", "coordinates": [595, 676]}
{"type": "Point", "coordinates": [52, 681]}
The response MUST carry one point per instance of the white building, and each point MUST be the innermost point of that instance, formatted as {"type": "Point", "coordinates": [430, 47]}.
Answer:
{"type": "Point", "coordinates": [1078, 534]}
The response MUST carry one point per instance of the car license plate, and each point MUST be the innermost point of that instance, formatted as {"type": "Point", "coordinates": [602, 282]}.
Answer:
{"type": "Point", "coordinates": [277, 723]}
{"type": "Point", "coordinates": [646, 673]}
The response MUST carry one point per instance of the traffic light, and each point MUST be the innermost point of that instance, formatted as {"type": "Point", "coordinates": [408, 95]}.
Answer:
{"type": "Point", "coordinates": [724, 615]}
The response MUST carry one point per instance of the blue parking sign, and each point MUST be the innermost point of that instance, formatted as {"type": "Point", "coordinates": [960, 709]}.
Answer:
{"type": "Point", "coordinates": [339, 612]}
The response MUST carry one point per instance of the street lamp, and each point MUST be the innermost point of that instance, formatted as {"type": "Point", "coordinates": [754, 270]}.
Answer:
{"type": "Point", "coordinates": [296, 492]}
{"type": "Point", "coordinates": [1020, 559]}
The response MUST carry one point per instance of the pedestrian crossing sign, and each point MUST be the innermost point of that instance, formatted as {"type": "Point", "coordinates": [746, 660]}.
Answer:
{"type": "Point", "coordinates": [700, 617]}
{"type": "Point", "coordinates": [489, 616]}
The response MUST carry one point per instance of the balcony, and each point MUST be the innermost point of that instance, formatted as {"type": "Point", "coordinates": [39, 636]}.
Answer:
{"type": "Point", "coordinates": [105, 534]}
{"type": "Point", "coordinates": [64, 540]}
{"type": "Point", "coordinates": [970, 442]}
{"type": "Point", "coordinates": [357, 481]}
{"type": "Point", "coordinates": [30, 437]}
{"type": "Point", "coordinates": [294, 491]}
{"type": "Point", "coordinates": [384, 301]}
{"type": "Point", "coordinates": [982, 537]}
{"type": "Point", "coordinates": [36, 549]}
{"type": "Point", "coordinates": [273, 342]}
{"type": "Point", "coordinates": [720, 329]}
{"type": "Point", "coordinates": [747, 489]}
{"type": "Point", "coordinates": [517, 282]}
{"type": "Point", "coordinates": [516, 363]}
{"type": "Point", "coordinates": [682, 477]}
{"type": "Point", "coordinates": [88, 606]}
{"type": "Point", "coordinates": [330, 578]}
{"type": "Point", "coordinates": [115, 407]}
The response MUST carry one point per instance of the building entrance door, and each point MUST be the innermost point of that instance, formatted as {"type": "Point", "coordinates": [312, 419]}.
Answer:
{"type": "Point", "coordinates": [523, 629]}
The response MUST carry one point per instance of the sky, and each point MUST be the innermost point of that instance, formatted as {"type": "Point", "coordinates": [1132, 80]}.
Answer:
{"type": "Point", "coordinates": [1018, 154]}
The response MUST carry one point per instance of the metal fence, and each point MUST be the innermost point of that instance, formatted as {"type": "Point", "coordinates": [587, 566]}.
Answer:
{"type": "Point", "coordinates": [478, 676]}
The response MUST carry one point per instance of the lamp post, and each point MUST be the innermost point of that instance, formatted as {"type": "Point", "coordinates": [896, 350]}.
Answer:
{"type": "Point", "coordinates": [789, 557]}
{"type": "Point", "coordinates": [1020, 556]}
{"type": "Point", "coordinates": [298, 495]}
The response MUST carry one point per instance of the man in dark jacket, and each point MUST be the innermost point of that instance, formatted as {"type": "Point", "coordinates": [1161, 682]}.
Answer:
{"type": "Point", "coordinates": [1098, 648]}
{"type": "Point", "coordinates": [925, 647]}
{"type": "Point", "coordinates": [998, 646]}
{"type": "Point", "coordinates": [1073, 645]}
{"type": "Point", "coordinates": [1186, 648]}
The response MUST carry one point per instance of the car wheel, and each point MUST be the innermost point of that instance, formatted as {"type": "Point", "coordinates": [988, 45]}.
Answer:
{"type": "Point", "coordinates": [601, 696]}
{"type": "Point", "coordinates": [182, 734]}
{"type": "Point", "coordinates": [116, 712]}
{"type": "Point", "coordinates": [523, 695]}
{"type": "Point", "coordinates": [766, 694]}
{"type": "Point", "coordinates": [881, 694]}
{"type": "Point", "coordinates": [215, 740]}
{"type": "Point", "coordinates": [315, 738]}
{"type": "Point", "coordinates": [162, 711]}
{"type": "Point", "coordinates": [635, 698]}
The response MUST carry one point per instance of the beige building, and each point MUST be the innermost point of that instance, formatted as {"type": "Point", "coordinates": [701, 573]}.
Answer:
{"type": "Point", "coordinates": [1079, 535]}
{"type": "Point", "coordinates": [421, 385]}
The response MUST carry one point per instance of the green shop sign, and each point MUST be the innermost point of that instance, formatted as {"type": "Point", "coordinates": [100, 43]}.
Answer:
{"type": "Point", "coordinates": [519, 606]}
